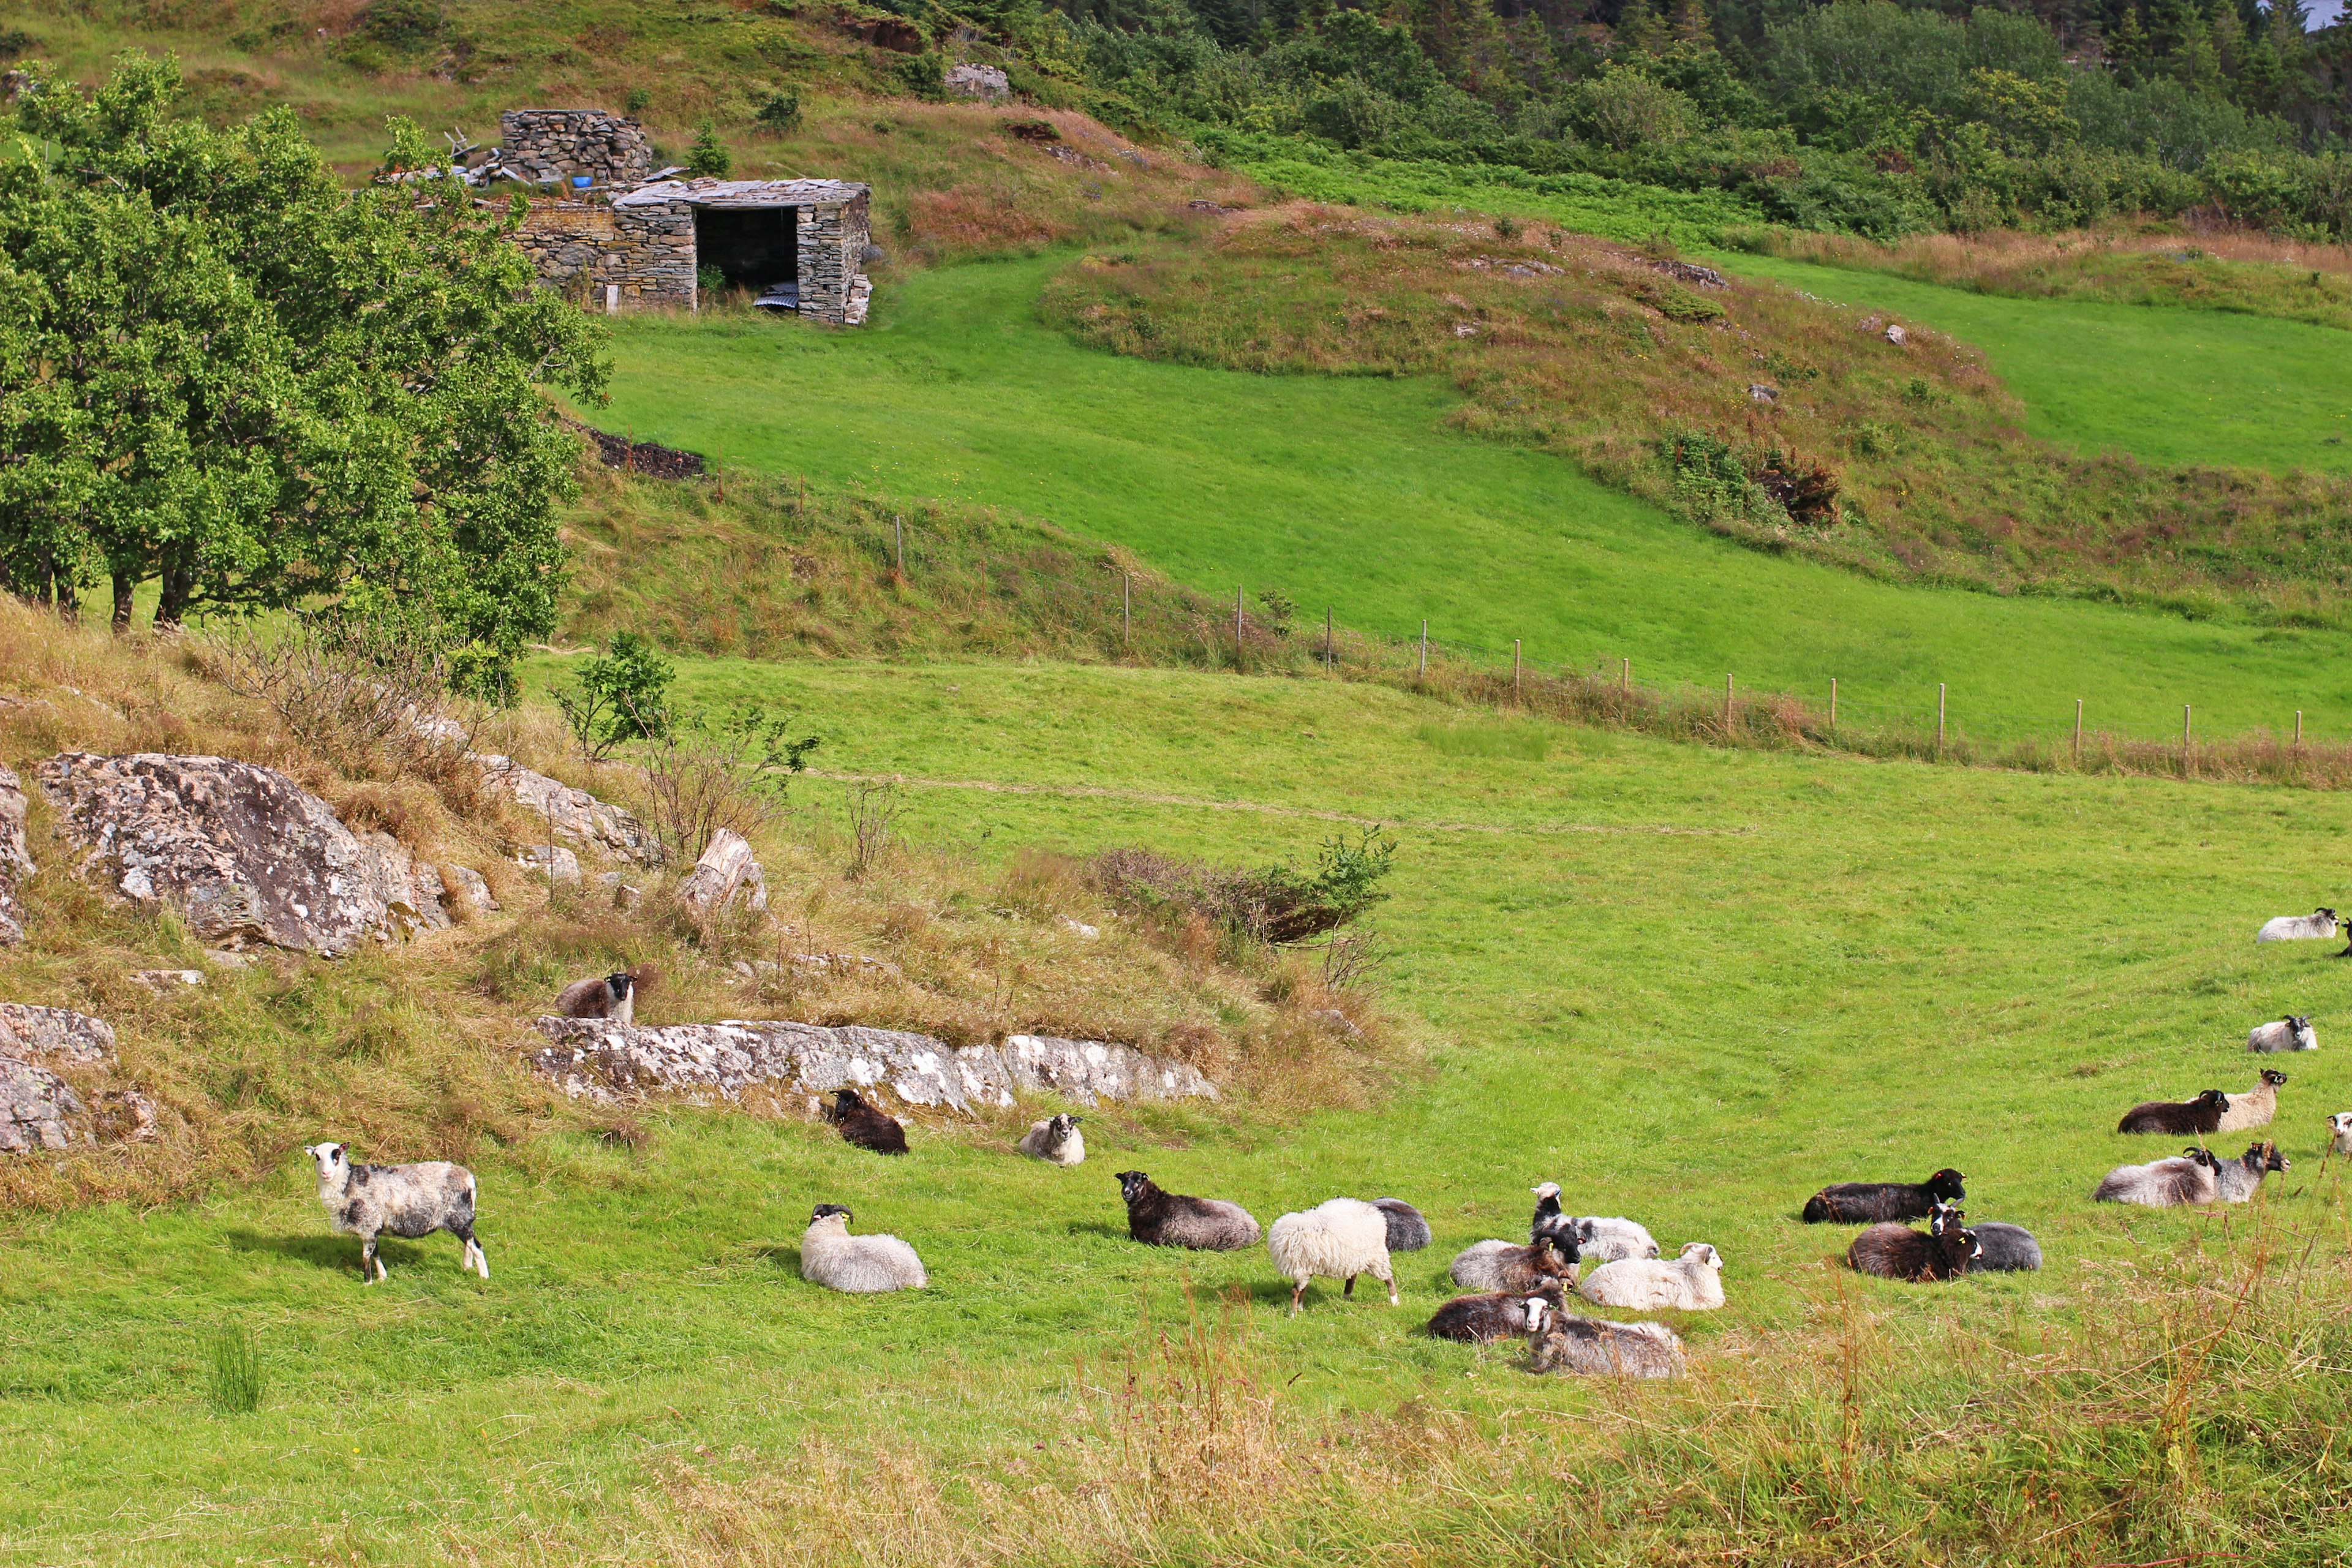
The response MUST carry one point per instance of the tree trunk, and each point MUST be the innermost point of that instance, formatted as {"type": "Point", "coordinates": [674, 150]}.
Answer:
{"type": "Point", "coordinates": [61, 592]}
{"type": "Point", "coordinates": [178, 584]}
{"type": "Point", "coordinates": [125, 586]}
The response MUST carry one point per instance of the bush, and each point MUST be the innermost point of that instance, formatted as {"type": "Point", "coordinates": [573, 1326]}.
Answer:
{"type": "Point", "coordinates": [1278, 906]}
{"type": "Point", "coordinates": [924, 76]}
{"type": "Point", "coordinates": [781, 112]}
{"type": "Point", "coordinates": [618, 696]}
{"type": "Point", "coordinates": [709, 158]}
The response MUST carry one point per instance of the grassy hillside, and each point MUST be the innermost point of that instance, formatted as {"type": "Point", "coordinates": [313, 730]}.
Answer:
{"type": "Point", "coordinates": [1691, 985]}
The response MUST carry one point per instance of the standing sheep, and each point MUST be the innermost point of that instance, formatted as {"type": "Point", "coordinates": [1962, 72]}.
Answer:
{"type": "Point", "coordinates": [1170, 1219]}
{"type": "Point", "coordinates": [2320, 924]}
{"type": "Point", "coordinates": [1408, 1231]}
{"type": "Point", "coordinates": [1500, 1265]}
{"type": "Point", "coordinates": [2177, 1117]}
{"type": "Point", "coordinates": [2189, 1178]}
{"type": "Point", "coordinates": [1692, 1282]}
{"type": "Point", "coordinates": [1597, 1348]}
{"type": "Point", "coordinates": [408, 1201]}
{"type": "Point", "coordinates": [2237, 1181]}
{"type": "Point", "coordinates": [1490, 1315]}
{"type": "Point", "coordinates": [612, 996]}
{"type": "Point", "coordinates": [2339, 1132]}
{"type": "Point", "coordinates": [1338, 1238]}
{"type": "Point", "coordinates": [2292, 1033]}
{"type": "Point", "coordinates": [2257, 1107]}
{"type": "Point", "coordinates": [1860, 1202]}
{"type": "Point", "coordinates": [1057, 1139]}
{"type": "Point", "coordinates": [866, 1127]}
{"type": "Point", "coordinates": [861, 1265]}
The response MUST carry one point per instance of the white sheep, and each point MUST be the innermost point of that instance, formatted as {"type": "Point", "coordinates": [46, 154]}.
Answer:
{"type": "Point", "coordinates": [1337, 1239]}
{"type": "Point", "coordinates": [861, 1265]}
{"type": "Point", "coordinates": [2258, 1107]}
{"type": "Point", "coordinates": [408, 1200]}
{"type": "Point", "coordinates": [2320, 924]}
{"type": "Point", "coordinates": [2292, 1033]}
{"type": "Point", "coordinates": [1692, 1282]}
{"type": "Point", "coordinates": [2339, 1132]}
{"type": "Point", "coordinates": [1056, 1139]}
{"type": "Point", "coordinates": [1609, 1240]}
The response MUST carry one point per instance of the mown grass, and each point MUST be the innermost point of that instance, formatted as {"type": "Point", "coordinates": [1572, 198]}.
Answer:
{"type": "Point", "coordinates": [1693, 984]}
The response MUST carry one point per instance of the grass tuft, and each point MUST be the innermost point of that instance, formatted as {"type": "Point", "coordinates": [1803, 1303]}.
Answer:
{"type": "Point", "coordinates": [238, 1378]}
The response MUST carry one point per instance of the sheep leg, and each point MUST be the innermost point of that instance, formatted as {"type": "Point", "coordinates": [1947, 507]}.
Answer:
{"type": "Point", "coordinates": [1390, 1281]}
{"type": "Point", "coordinates": [371, 1266]}
{"type": "Point", "coordinates": [473, 1257]}
{"type": "Point", "coordinates": [1349, 1289]}
{"type": "Point", "coordinates": [1298, 1293]}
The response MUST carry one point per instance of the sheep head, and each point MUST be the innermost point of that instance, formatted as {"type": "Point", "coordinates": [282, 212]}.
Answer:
{"type": "Point", "coordinates": [2265, 1158]}
{"type": "Point", "coordinates": [1701, 1254]}
{"type": "Point", "coordinates": [1133, 1185]}
{"type": "Point", "coordinates": [333, 1160]}
{"type": "Point", "coordinates": [1945, 1185]}
{"type": "Point", "coordinates": [2273, 1078]}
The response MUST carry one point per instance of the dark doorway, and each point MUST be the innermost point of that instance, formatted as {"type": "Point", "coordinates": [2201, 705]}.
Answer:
{"type": "Point", "coordinates": [753, 247]}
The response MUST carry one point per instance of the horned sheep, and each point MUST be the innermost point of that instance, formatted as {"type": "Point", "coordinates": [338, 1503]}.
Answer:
{"type": "Point", "coordinates": [1862, 1203]}
{"type": "Point", "coordinates": [1945, 1250]}
{"type": "Point", "coordinates": [1598, 1239]}
{"type": "Point", "coordinates": [408, 1201]}
{"type": "Point", "coordinates": [865, 1126]}
{"type": "Point", "coordinates": [1597, 1347]}
{"type": "Point", "coordinates": [1171, 1220]}
{"type": "Point", "coordinates": [2257, 1107]}
{"type": "Point", "coordinates": [2177, 1117]}
{"type": "Point", "coordinates": [1339, 1239]}
{"type": "Point", "coordinates": [1692, 1282]}
{"type": "Point", "coordinates": [1502, 1266]}
{"type": "Point", "coordinates": [2292, 1033]}
{"type": "Point", "coordinates": [2339, 1132]}
{"type": "Point", "coordinates": [2319, 924]}
{"type": "Point", "coordinates": [1057, 1140]}
{"type": "Point", "coordinates": [2237, 1181]}
{"type": "Point", "coordinates": [609, 996]}
{"type": "Point", "coordinates": [2187, 1178]}
{"type": "Point", "coordinates": [2004, 1248]}
{"type": "Point", "coordinates": [860, 1264]}
{"type": "Point", "coordinates": [1490, 1315]}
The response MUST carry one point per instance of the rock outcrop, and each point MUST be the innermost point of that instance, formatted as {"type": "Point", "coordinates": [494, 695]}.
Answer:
{"type": "Point", "coordinates": [243, 852]}
{"type": "Point", "coordinates": [38, 1109]}
{"type": "Point", "coordinates": [596, 1059]}
{"type": "Point", "coordinates": [16, 860]}
{"type": "Point", "coordinates": [726, 868]}
{"type": "Point", "coordinates": [572, 814]}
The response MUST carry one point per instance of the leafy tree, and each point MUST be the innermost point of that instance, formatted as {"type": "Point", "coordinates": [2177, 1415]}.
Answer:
{"type": "Point", "coordinates": [709, 158]}
{"type": "Point", "coordinates": [618, 695]}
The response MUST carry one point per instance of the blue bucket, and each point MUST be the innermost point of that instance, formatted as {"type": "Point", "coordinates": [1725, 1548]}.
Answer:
{"type": "Point", "coordinates": [582, 182]}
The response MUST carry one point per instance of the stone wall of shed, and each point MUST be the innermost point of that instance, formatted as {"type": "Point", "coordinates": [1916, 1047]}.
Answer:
{"type": "Point", "coordinates": [557, 144]}
{"type": "Point", "coordinates": [580, 246]}
{"type": "Point", "coordinates": [832, 241]}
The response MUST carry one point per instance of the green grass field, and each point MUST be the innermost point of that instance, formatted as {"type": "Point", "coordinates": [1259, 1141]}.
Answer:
{"type": "Point", "coordinates": [1690, 985]}
{"type": "Point", "coordinates": [1348, 493]}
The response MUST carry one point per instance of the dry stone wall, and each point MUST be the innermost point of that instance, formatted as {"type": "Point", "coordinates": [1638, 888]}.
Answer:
{"type": "Point", "coordinates": [559, 143]}
{"type": "Point", "coordinates": [640, 250]}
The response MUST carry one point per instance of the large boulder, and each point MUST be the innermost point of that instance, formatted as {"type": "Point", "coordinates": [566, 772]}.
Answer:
{"type": "Point", "coordinates": [16, 860]}
{"type": "Point", "coordinates": [38, 1109]}
{"type": "Point", "coordinates": [726, 868]}
{"type": "Point", "coordinates": [243, 852]}
{"type": "Point", "coordinates": [572, 814]}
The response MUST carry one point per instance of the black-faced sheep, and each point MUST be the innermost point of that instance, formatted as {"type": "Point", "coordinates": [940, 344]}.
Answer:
{"type": "Point", "coordinates": [1692, 1282]}
{"type": "Point", "coordinates": [613, 996]}
{"type": "Point", "coordinates": [1408, 1232]}
{"type": "Point", "coordinates": [2320, 924]}
{"type": "Point", "coordinates": [2256, 1108]}
{"type": "Point", "coordinates": [865, 1126]}
{"type": "Point", "coordinates": [1170, 1219]}
{"type": "Point", "coordinates": [2180, 1117]}
{"type": "Point", "coordinates": [1500, 1265]}
{"type": "Point", "coordinates": [2339, 1132]}
{"type": "Point", "coordinates": [1339, 1239]}
{"type": "Point", "coordinates": [1490, 1315]}
{"type": "Point", "coordinates": [2292, 1033]}
{"type": "Point", "coordinates": [1863, 1203]}
{"type": "Point", "coordinates": [861, 1265]}
{"type": "Point", "coordinates": [408, 1201]}
{"type": "Point", "coordinates": [2189, 1178]}
{"type": "Point", "coordinates": [2237, 1181]}
{"type": "Point", "coordinates": [1597, 1348]}
{"type": "Point", "coordinates": [1947, 1250]}
{"type": "Point", "coordinates": [1057, 1139]}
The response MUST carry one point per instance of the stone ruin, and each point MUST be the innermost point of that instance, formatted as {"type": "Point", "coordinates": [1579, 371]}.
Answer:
{"type": "Point", "coordinates": [563, 145]}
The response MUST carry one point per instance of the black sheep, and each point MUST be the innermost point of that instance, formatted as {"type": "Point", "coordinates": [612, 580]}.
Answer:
{"type": "Point", "coordinates": [1408, 1231]}
{"type": "Point", "coordinates": [1944, 1251]}
{"type": "Point", "coordinates": [866, 1127]}
{"type": "Point", "coordinates": [1171, 1219]}
{"type": "Point", "coordinates": [2179, 1117]}
{"type": "Point", "coordinates": [1863, 1203]}
{"type": "Point", "coordinates": [1491, 1315]}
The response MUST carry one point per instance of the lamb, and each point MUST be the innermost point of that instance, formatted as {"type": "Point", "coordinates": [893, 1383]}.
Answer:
{"type": "Point", "coordinates": [397, 1200]}
{"type": "Point", "coordinates": [1408, 1231]}
{"type": "Point", "coordinates": [1860, 1202]}
{"type": "Point", "coordinates": [2292, 1033]}
{"type": "Point", "coordinates": [1338, 1238]}
{"type": "Point", "coordinates": [612, 996]}
{"type": "Point", "coordinates": [1598, 1348]}
{"type": "Point", "coordinates": [865, 1126]}
{"type": "Point", "coordinates": [861, 1265]}
{"type": "Point", "coordinates": [1491, 1315]}
{"type": "Point", "coordinates": [1169, 1219]}
{"type": "Point", "coordinates": [2200, 1115]}
{"type": "Point", "coordinates": [2238, 1179]}
{"type": "Point", "coordinates": [2339, 1132]}
{"type": "Point", "coordinates": [1692, 1282]}
{"type": "Point", "coordinates": [2256, 1109]}
{"type": "Point", "coordinates": [2189, 1178]}
{"type": "Point", "coordinates": [1597, 1239]}
{"type": "Point", "coordinates": [1500, 1265]}
{"type": "Point", "coordinates": [1943, 1251]}
{"type": "Point", "coordinates": [1056, 1139]}
{"type": "Point", "coordinates": [2320, 923]}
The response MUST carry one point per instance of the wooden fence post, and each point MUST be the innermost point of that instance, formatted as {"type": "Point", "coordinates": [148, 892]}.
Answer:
{"type": "Point", "coordinates": [1939, 719]}
{"type": "Point", "coordinates": [1726, 707]}
{"type": "Point", "coordinates": [898, 531]}
{"type": "Point", "coordinates": [1833, 704]}
{"type": "Point", "coordinates": [1424, 648]}
{"type": "Point", "coordinates": [1126, 608]}
{"type": "Point", "coordinates": [1514, 669]}
{"type": "Point", "coordinates": [1625, 680]}
{"type": "Point", "coordinates": [2078, 731]}
{"type": "Point", "coordinates": [2298, 729]}
{"type": "Point", "coordinates": [2187, 764]}
{"type": "Point", "coordinates": [1331, 659]}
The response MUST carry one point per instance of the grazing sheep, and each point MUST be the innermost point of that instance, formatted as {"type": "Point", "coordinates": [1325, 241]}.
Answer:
{"type": "Point", "coordinates": [1170, 1219]}
{"type": "Point", "coordinates": [2339, 1132]}
{"type": "Point", "coordinates": [1692, 1282]}
{"type": "Point", "coordinates": [613, 996]}
{"type": "Point", "coordinates": [2257, 1107]}
{"type": "Point", "coordinates": [1500, 1265]}
{"type": "Point", "coordinates": [1408, 1231]}
{"type": "Point", "coordinates": [2200, 1115]}
{"type": "Point", "coordinates": [1056, 1139]}
{"type": "Point", "coordinates": [1945, 1250]}
{"type": "Point", "coordinates": [1860, 1202]}
{"type": "Point", "coordinates": [1596, 1347]}
{"type": "Point", "coordinates": [861, 1265]}
{"type": "Point", "coordinates": [1612, 1240]}
{"type": "Point", "coordinates": [1490, 1315]}
{"type": "Point", "coordinates": [2237, 1181]}
{"type": "Point", "coordinates": [2189, 1178]}
{"type": "Point", "coordinates": [2292, 1033]}
{"type": "Point", "coordinates": [406, 1201]}
{"type": "Point", "coordinates": [865, 1126]}
{"type": "Point", "coordinates": [2320, 923]}
{"type": "Point", "coordinates": [1338, 1239]}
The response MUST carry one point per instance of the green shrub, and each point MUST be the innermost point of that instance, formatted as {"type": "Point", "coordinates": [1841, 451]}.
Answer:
{"type": "Point", "coordinates": [781, 112]}
{"type": "Point", "coordinates": [619, 695]}
{"type": "Point", "coordinates": [709, 158]}
{"type": "Point", "coordinates": [924, 75]}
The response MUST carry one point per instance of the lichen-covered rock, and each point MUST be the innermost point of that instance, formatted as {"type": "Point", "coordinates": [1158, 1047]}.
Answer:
{"type": "Point", "coordinates": [726, 868]}
{"type": "Point", "coordinates": [554, 861]}
{"type": "Point", "coordinates": [60, 1032]}
{"type": "Point", "coordinates": [572, 814]}
{"type": "Point", "coordinates": [243, 852]}
{"type": "Point", "coordinates": [467, 889]}
{"type": "Point", "coordinates": [16, 860]}
{"type": "Point", "coordinates": [38, 1108]}
{"type": "Point", "coordinates": [603, 1060]}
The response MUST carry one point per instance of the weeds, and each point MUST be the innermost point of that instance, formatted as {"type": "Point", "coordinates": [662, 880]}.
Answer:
{"type": "Point", "coordinates": [874, 807]}
{"type": "Point", "coordinates": [238, 1378]}
{"type": "Point", "coordinates": [700, 776]}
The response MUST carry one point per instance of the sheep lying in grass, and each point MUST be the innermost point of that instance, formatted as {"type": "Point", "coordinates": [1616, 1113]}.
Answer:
{"type": "Point", "coordinates": [2177, 1117]}
{"type": "Point", "coordinates": [1501, 1266]}
{"type": "Point", "coordinates": [1339, 1239]}
{"type": "Point", "coordinates": [1408, 1231]}
{"type": "Point", "coordinates": [2319, 924]}
{"type": "Point", "coordinates": [1945, 1250]}
{"type": "Point", "coordinates": [865, 1126]}
{"type": "Point", "coordinates": [1692, 1282]}
{"type": "Point", "coordinates": [2237, 1181]}
{"type": "Point", "coordinates": [613, 996]}
{"type": "Point", "coordinates": [1597, 1348]}
{"type": "Point", "coordinates": [1597, 1239]}
{"type": "Point", "coordinates": [1170, 1219]}
{"type": "Point", "coordinates": [2004, 1248]}
{"type": "Point", "coordinates": [1862, 1203]}
{"type": "Point", "coordinates": [408, 1201]}
{"type": "Point", "coordinates": [1057, 1139]}
{"type": "Point", "coordinates": [2189, 1178]}
{"type": "Point", "coordinates": [2292, 1033]}
{"type": "Point", "coordinates": [1490, 1315]}
{"type": "Point", "coordinates": [2256, 1108]}
{"type": "Point", "coordinates": [861, 1265]}
{"type": "Point", "coordinates": [2339, 1132]}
